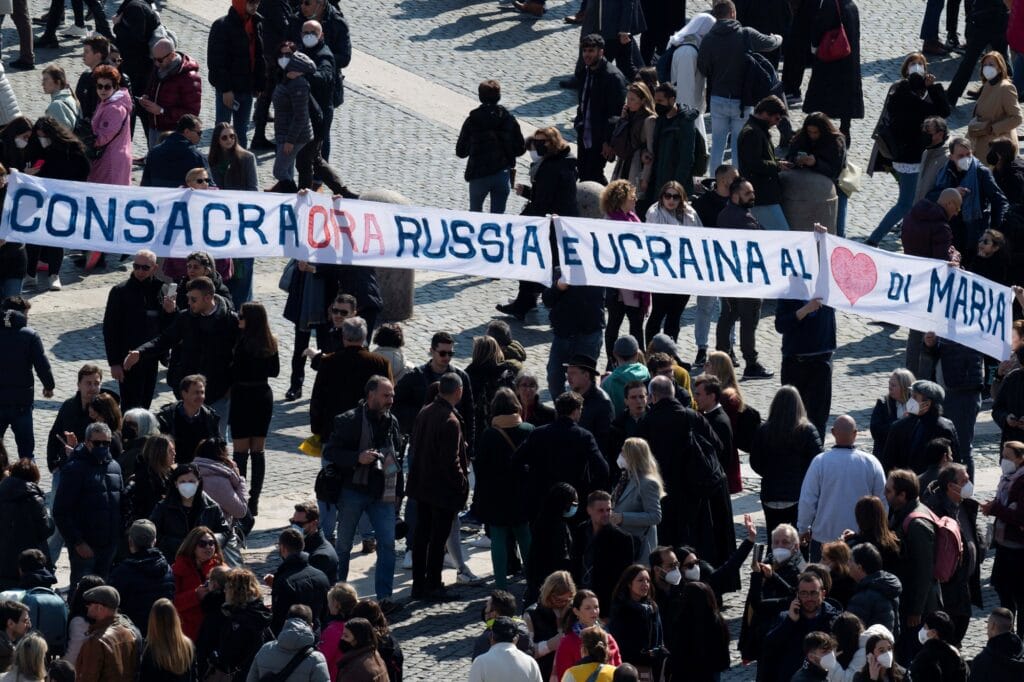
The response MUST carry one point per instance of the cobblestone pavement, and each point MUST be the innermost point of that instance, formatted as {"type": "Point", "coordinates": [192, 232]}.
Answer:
{"type": "Point", "coordinates": [453, 44]}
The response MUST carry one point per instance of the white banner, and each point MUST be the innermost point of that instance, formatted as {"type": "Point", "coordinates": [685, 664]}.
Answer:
{"type": "Point", "coordinates": [920, 293]}
{"type": "Point", "coordinates": [687, 260]}
{"type": "Point", "coordinates": [310, 227]}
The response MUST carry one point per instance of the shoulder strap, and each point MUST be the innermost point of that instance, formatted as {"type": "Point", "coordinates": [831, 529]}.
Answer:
{"type": "Point", "coordinates": [296, 661]}
{"type": "Point", "coordinates": [594, 675]}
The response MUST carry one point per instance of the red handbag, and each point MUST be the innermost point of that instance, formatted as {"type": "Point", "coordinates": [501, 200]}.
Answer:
{"type": "Point", "coordinates": [834, 44]}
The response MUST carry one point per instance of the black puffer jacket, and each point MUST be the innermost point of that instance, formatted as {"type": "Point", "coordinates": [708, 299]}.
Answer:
{"type": "Point", "coordinates": [877, 600]}
{"type": "Point", "coordinates": [938, 662]}
{"type": "Point", "coordinates": [21, 351]}
{"type": "Point", "coordinates": [228, 57]}
{"type": "Point", "coordinates": [173, 520]}
{"type": "Point", "coordinates": [87, 506]}
{"type": "Point", "coordinates": [554, 186]}
{"type": "Point", "coordinates": [25, 523]}
{"type": "Point", "coordinates": [244, 629]}
{"type": "Point", "coordinates": [141, 578]}
{"type": "Point", "coordinates": [1002, 660]}
{"type": "Point", "coordinates": [296, 582]}
{"type": "Point", "coordinates": [491, 139]}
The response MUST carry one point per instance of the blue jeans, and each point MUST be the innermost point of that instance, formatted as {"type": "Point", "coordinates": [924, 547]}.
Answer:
{"type": "Point", "coordinates": [284, 164]}
{"type": "Point", "coordinates": [563, 348]}
{"type": "Point", "coordinates": [841, 213]}
{"type": "Point", "coordinates": [56, 541]}
{"type": "Point", "coordinates": [930, 23]}
{"type": "Point", "coordinates": [496, 185]}
{"type": "Point", "coordinates": [99, 564]}
{"type": "Point", "coordinates": [10, 287]}
{"type": "Point", "coordinates": [222, 407]}
{"type": "Point", "coordinates": [908, 188]}
{"type": "Point", "coordinates": [238, 118]}
{"type": "Point", "coordinates": [19, 418]}
{"type": "Point", "coordinates": [961, 408]}
{"type": "Point", "coordinates": [351, 506]}
{"type": "Point", "coordinates": [771, 217]}
{"type": "Point", "coordinates": [708, 309]}
{"type": "Point", "coordinates": [727, 118]}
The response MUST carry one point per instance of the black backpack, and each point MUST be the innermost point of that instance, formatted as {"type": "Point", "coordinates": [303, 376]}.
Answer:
{"type": "Point", "coordinates": [284, 673]}
{"type": "Point", "coordinates": [703, 468]}
{"type": "Point", "coordinates": [760, 79]}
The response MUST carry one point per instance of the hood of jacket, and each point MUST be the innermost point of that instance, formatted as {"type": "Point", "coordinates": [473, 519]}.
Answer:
{"type": "Point", "coordinates": [120, 99]}
{"type": "Point", "coordinates": [150, 563]}
{"type": "Point", "coordinates": [13, 319]}
{"type": "Point", "coordinates": [634, 371]}
{"type": "Point", "coordinates": [209, 467]}
{"type": "Point", "coordinates": [66, 97]}
{"type": "Point", "coordinates": [295, 635]}
{"type": "Point", "coordinates": [884, 583]}
{"type": "Point", "coordinates": [42, 577]}
{"type": "Point", "coordinates": [489, 116]}
{"type": "Point", "coordinates": [724, 27]}
{"type": "Point", "coordinates": [15, 490]}
{"type": "Point", "coordinates": [1007, 654]}
{"type": "Point", "coordinates": [927, 210]}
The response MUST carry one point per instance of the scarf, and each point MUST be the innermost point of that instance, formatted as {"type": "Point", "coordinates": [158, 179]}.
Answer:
{"type": "Point", "coordinates": [506, 421]}
{"type": "Point", "coordinates": [971, 209]}
{"type": "Point", "coordinates": [249, 23]}
{"type": "Point", "coordinates": [165, 71]}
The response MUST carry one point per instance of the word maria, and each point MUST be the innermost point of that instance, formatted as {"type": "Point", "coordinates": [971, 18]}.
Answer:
{"type": "Point", "coordinates": [970, 301]}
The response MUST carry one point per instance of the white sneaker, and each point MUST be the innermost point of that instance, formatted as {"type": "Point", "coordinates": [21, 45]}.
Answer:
{"type": "Point", "coordinates": [480, 541]}
{"type": "Point", "coordinates": [467, 577]}
{"type": "Point", "coordinates": [52, 283]}
{"type": "Point", "coordinates": [450, 562]}
{"type": "Point", "coordinates": [77, 31]}
{"type": "Point", "coordinates": [407, 561]}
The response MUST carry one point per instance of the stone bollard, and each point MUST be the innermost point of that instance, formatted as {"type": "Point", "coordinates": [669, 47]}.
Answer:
{"type": "Point", "coordinates": [397, 285]}
{"type": "Point", "coordinates": [588, 196]}
{"type": "Point", "coordinates": [808, 198]}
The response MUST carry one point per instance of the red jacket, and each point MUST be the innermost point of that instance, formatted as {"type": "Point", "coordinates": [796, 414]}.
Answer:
{"type": "Point", "coordinates": [186, 579]}
{"type": "Point", "coordinates": [179, 93]}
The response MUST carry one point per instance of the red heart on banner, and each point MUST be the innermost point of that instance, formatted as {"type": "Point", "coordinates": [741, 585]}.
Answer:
{"type": "Point", "coordinates": [855, 275]}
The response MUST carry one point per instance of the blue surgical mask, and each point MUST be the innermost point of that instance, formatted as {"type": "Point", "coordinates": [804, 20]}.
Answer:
{"type": "Point", "coordinates": [572, 511]}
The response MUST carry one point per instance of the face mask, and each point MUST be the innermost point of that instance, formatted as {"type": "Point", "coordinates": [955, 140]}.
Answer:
{"type": "Point", "coordinates": [828, 661]}
{"type": "Point", "coordinates": [964, 164]}
{"type": "Point", "coordinates": [926, 140]}
{"type": "Point", "coordinates": [967, 490]}
{"type": "Point", "coordinates": [45, 142]}
{"type": "Point", "coordinates": [992, 158]}
{"type": "Point", "coordinates": [621, 462]}
{"type": "Point", "coordinates": [922, 635]}
{"type": "Point", "coordinates": [345, 646]}
{"type": "Point", "coordinates": [916, 82]}
{"type": "Point", "coordinates": [885, 660]}
{"type": "Point", "coordinates": [283, 62]}
{"type": "Point", "coordinates": [541, 147]}
{"type": "Point", "coordinates": [298, 527]}
{"type": "Point", "coordinates": [101, 452]}
{"type": "Point", "coordinates": [912, 406]}
{"type": "Point", "coordinates": [662, 109]}
{"type": "Point", "coordinates": [20, 142]}
{"type": "Point", "coordinates": [692, 574]}
{"type": "Point", "coordinates": [917, 68]}
{"type": "Point", "coordinates": [781, 554]}
{"type": "Point", "coordinates": [674, 577]}
{"type": "Point", "coordinates": [188, 489]}
{"type": "Point", "coordinates": [310, 40]}
{"type": "Point", "coordinates": [989, 72]}
{"type": "Point", "coordinates": [572, 511]}
{"type": "Point", "coordinates": [1007, 466]}
{"type": "Point", "coordinates": [534, 156]}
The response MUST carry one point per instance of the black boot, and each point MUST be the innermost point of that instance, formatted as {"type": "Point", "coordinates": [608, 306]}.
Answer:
{"type": "Point", "coordinates": [259, 472]}
{"type": "Point", "coordinates": [241, 458]}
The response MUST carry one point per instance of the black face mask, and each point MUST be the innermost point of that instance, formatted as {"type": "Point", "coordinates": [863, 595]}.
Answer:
{"type": "Point", "coordinates": [926, 140]}
{"type": "Point", "coordinates": [345, 646]}
{"type": "Point", "coordinates": [662, 109]}
{"type": "Point", "coordinates": [541, 147]}
{"type": "Point", "coordinates": [916, 82]}
{"type": "Point", "coordinates": [992, 158]}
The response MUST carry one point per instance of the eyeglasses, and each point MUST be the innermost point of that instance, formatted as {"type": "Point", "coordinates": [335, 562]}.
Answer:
{"type": "Point", "coordinates": [807, 594]}
{"type": "Point", "coordinates": [206, 543]}
{"type": "Point", "coordinates": [142, 266]}
{"type": "Point", "coordinates": [671, 195]}
{"type": "Point", "coordinates": [339, 311]}
{"type": "Point", "coordinates": [445, 353]}
{"type": "Point", "coordinates": [205, 181]}
{"type": "Point", "coordinates": [104, 86]}
{"type": "Point", "coordinates": [227, 137]}
{"type": "Point", "coordinates": [100, 443]}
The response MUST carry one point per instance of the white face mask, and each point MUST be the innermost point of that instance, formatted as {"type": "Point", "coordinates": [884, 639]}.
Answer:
{"type": "Point", "coordinates": [781, 554]}
{"type": "Point", "coordinates": [45, 142]}
{"type": "Point", "coordinates": [828, 661]}
{"type": "Point", "coordinates": [621, 462]}
{"type": "Point", "coordinates": [534, 156]}
{"type": "Point", "coordinates": [1007, 466]}
{"type": "Point", "coordinates": [310, 40]}
{"type": "Point", "coordinates": [967, 490]}
{"type": "Point", "coordinates": [912, 406]}
{"type": "Point", "coordinates": [989, 72]}
{"type": "Point", "coordinates": [922, 635]}
{"type": "Point", "coordinates": [188, 489]}
{"type": "Point", "coordinates": [674, 577]}
{"type": "Point", "coordinates": [692, 574]}
{"type": "Point", "coordinates": [964, 164]}
{"type": "Point", "coordinates": [916, 67]}
{"type": "Point", "coordinates": [20, 142]}
{"type": "Point", "coordinates": [283, 62]}
{"type": "Point", "coordinates": [885, 660]}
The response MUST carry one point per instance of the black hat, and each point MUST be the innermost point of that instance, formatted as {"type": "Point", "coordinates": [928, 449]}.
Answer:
{"type": "Point", "coordinates": [583, 362]}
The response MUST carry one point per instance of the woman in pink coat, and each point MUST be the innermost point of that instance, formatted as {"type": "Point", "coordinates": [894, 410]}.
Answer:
{"type": "Point", "coordinates": [111, 124]}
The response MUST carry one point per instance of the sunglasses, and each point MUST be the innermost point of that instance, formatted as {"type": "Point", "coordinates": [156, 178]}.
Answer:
{"type": "Point", "coordinates": [671, 195]}
{"type": "Point", "coordinates": [100, 443]}
{"type": "Point", "coordinates": [206, 543]}
{"type": "Point", "coordinates": [339, 311]}
{"type": "Point", "coordinates": [227, 137]}
{"type": "Point", "coordinates": [142, 266]}
{"type": "Point", "coordinates": [445, 353]}
{"type": "Point", "coordinates": [104, 86]}
{"type": "Point", "coordinates": [204, 181]}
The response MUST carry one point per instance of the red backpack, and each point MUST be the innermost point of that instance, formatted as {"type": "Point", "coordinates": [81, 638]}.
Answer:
{"type": "Point", "coordinates": [949, 547]}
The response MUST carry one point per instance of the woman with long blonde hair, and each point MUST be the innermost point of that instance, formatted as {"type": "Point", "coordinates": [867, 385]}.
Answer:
{"type": "Point", "coordinates": [29, 663]}
{"type": "Point", "coordinates": [169, 654]}
{"type": "Point", "coordinates": [637, 497]}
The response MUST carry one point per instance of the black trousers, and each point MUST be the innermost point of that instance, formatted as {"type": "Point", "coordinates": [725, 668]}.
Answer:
{"type": "Point", "coordinates": [617, 312]}
{"type": "Point", "coordinates": [138, 385]}
{"type": "Point", "coordinates": [433, 524]}
{"type": "Point", "coordinates": [1006, 579]}
{"type": "Point", "coordinates": [298, 359]}
{"type": "Point", "coordinates": [666, 311]}
{"type": "Point", "coordinates": [311, 163]}
{"type": "Point", "coordinates": [773, 518]}
{"type": "Point", "coordinates": [51, 255]}
{"type": "Point", "coordinates": [980, 35]}
{"type": "Point", "coordinates": [261, 110]}
{"type": "Point", "coordinates": [526, 297]}
{"type": "Point", "coordinates": [811, 375]}
{"type": "Point", "coordinates": [590, 164]}
{"type": "Point", "coordinates": [56, 16]}
{"type": "Point", "coordinates": [748, 312]}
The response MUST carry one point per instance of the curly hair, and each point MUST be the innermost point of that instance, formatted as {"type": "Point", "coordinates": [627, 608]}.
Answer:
{"type": "Point", "coordinates": [615, 195]}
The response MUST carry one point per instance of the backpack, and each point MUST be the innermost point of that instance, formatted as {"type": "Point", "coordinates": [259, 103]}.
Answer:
{"type": "Point", "coordinates": [49, 615]}
{"type": "Point", "coordinates": [664, 65]}
{"type": "Point", "coordinates": [949, 547]}
{"type": "Point", "coordinates": [760, 79]}
{"type": "Point", "coordinates": [703, 469]}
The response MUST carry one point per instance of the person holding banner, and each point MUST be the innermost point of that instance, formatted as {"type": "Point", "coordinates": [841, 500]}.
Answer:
{"type": "Point", "coordinates": [618, 202]}
{"type": "Point", "coordinates": [672, 208]}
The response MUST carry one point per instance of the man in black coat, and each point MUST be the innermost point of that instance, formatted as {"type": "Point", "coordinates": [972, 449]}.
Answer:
{"type": "Point", "coordinates": [563, 452]}
{"type": "Point", "coordinates": [755, 153]}
{"type": "Point", "coordinates": [923, 421]}
{"type": "Point", "coordinates": [961, 372]}
{"type": "Point", "coordinates": [132, 317]}
{"type": "Point", "coordinates": [189, 421]}
{"type": "Point", "coordinates": [143, 576]}
{"type": "Point", "coordinates": [602, 94]}
{"type": "Point", "coordinates": [600, 551]}
{"type": "Point", "coordinates": [1002, 659]}
{"type": "Point", "coordinates": [72, 418]}
{"type": "Point", "coordinates": [296, 582]}
{"type": "Point", "coordinates": [1008, 408]}
{"type": "Point", "coordinates": [21, 351]}
{"type": "Point", "coordinates": [95, 51]}
{"type": "Point", "coordinates": [87, 505]}
{"type": "Point", "coordinates": [204, 338]}
{"type": "Point", "coordinates": [411, 391]}
{"type": "Point", "coordinates": [491, 139]}
{"type": "Point", "coordinates": [598, 412]}
{"type": "Point", "coordinates": [707, 392]}
{"type": "Point", "coordinates": [234, 75]}
{"type": "Point", "coordinates": [306, 519]}
{"type": "Point", "coordinates": [170, 161]}
{"type": "Point", "coordinates": [809, 612]}
{"type": "Point", "coordinates": [876, 600]}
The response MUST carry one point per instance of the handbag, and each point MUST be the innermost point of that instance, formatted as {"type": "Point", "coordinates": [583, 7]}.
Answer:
{"type": "Point", "coordinates": [850, 178]}
{"type": "Point", "coordinates": [835, 44]}
{"type": "Point", "coordinates": [290, 268]}
{"type": "Point", "coordinates": [96, 153]}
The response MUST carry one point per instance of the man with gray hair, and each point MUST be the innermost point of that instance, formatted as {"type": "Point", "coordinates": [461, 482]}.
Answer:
{"type": "Point", "coordinates": [342, 375]}
{"type": "Point", "coordinates": [132, 317]}
{"type": "Point", "coordinates": [905, 448]}
{"type": "Point", "coordinates": [174, 89]}
{"type": "Point", "coordinates": [143, 576]}
{"type": "Point", "coordinates": [87, 506]}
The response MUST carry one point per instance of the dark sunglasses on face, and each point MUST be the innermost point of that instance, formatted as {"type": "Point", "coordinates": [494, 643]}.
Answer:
{"type": "Point", "coordinates": [671, 195]}
{"type": "Point", "coordinates": [339, 311]}
{"type": "Point", "coordinates": [204, 181]}
{"type": "Point", "coordinates": [206, 543]}
{"type": "Point", "coordinates": [104, 86]}
{"type": "Point", "coordinates": [100, 443]}
{"type": "Point", "coordinates": [445, 353]}
{"type": "Point", "coordinates": [226, 137]}
{"type": "Point", "coordinates": [142, 266]}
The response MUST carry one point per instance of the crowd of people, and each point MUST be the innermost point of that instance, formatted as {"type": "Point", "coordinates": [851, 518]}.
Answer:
{"type": "Point", "coordinates": [610, 509]}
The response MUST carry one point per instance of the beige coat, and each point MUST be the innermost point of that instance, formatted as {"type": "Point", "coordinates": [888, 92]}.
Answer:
{"type": "Point", "coordinates": [997, 114]}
